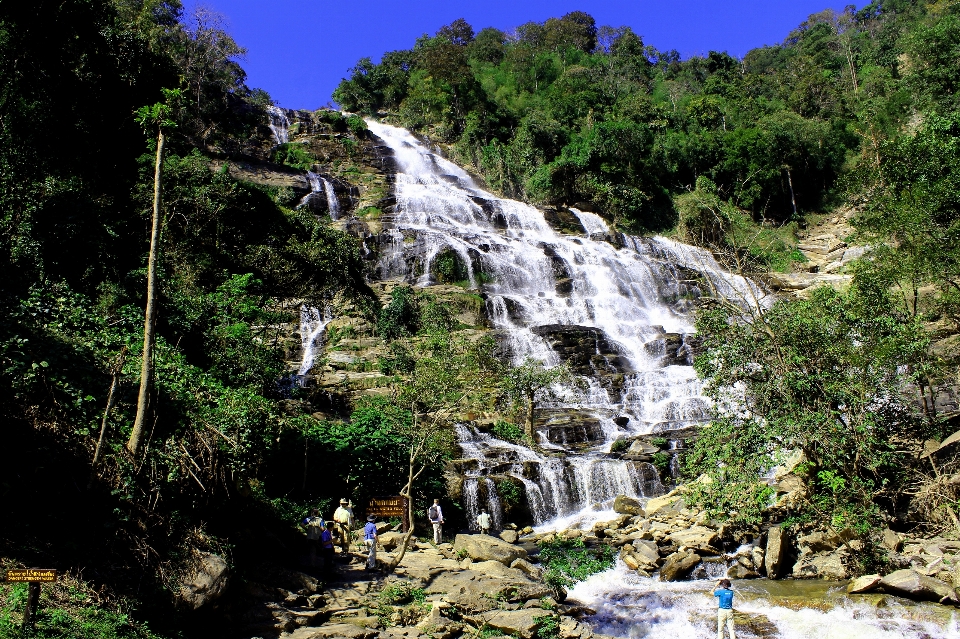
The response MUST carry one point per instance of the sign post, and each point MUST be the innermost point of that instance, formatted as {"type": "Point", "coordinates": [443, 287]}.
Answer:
{"type": "Point", "coordinates": [395, 506]}
{"type": "Point", "coordinates": [34, 577]}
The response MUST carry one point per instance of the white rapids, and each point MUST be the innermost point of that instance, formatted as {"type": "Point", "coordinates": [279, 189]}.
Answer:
{"type": "Point", "coordinates": [637, 607]}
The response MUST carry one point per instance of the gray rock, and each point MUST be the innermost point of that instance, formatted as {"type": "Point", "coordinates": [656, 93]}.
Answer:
{"type": "Point", "coordinates": [863, 584]}
{"type": "Point", "coordinates": [818, 542]}
{"type": "Point", "coordinates": [524, 566]}
{"type": "Point", "coordinates": [647, 549]}
{"type": "Point", "coordinates": [775, 557]}
{"type": "Point", "coordinates": [627, 506]}
{"type": "Point", "coordinates": [205, 582]}
{"type": "Point", "coordinates": [697, 538]}
{"type": "Point", "coordinates": [519, 623]}
{"type": "Point", "coordinates": [739, 571]}
{"type": "Point", "coordinates": [573, 629]}
{"type": "Point", "coordinates": [678, 565]}
{"type": "Point", "coordinates": [822, 566]}
{"type": "Point", "coordinates": [334, 631]}
{"type": "Point", "coordinates": [486, 548]}
{"type": "Point", "coordinates": [891, 540]}
{"type": "Point", "coordinates": [509, 536]}
{"type": "Point", "coordinates": [911, 584]}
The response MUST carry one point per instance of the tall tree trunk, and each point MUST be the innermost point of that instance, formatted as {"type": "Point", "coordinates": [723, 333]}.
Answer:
{"type": "Point", "coordinates": [149, 319]}
{"type": "Point", "coordinates": [793, 198]}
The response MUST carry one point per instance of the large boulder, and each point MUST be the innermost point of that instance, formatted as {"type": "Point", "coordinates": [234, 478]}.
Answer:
{"type": "Point", "coordinates": [699, 538]}
{"type": "Point", "coordinates": [205, 582]}
{"type": "Point", "coordinates": [647, 549]}
{"type": "Point", "coordinates": [624, 505]}
{"type": "Point", "coordinates": [821, 565]}
{"type": "Point", "coordinates": [517, 623]}
{"type": "Point", "coordinates": [678, 565]}
{"type": "Point", "coordinates": [863, 584]}
{"type": "Point", "coordinates": [775, 557]}
{"type": "Point", "coordinates": [671, 501]}
{"type": "Point", "coordinates": [911, 584]}
{"type": "Point", "coordinates": [487, 548]}
{"type": "Point", "coordinates": [392, 540]}
{"type": "Point", "coordinates": [739, 571]}
{"type": "Point", "coordinates": [509, 536]}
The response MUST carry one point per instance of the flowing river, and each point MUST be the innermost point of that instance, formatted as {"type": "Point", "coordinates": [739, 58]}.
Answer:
{"type": "Point", "coordinates": [625, 302]}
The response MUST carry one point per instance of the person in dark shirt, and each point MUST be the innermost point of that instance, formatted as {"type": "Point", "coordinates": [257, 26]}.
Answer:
{"type": "Point", "coordinates": [370, 538]}
{"type": "Point", "coordinates": [724, 596]}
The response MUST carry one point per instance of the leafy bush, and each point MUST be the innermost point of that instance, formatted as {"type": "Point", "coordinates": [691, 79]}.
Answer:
{"type": "Point", "coordinates": [510, 493]}
{"type": "Point", "coordinates": [356, 125]}
{"type": "Point", "coordinates": [448, 267]}
{"type": "Point", "coordinates": [660, 442]}
{"type": "Point", "coordinates": [400, 316]}
{"type": "Point", "coordinates": [402, 592]}
{"type": "Point", "coordinates": [661, 461]}
{"type": "Point", "coordinates": [507, 431]}
{"type": "Point", "coordinates": [567, 561]}
{"type": "Point", "coordinates": [397, 360]}
{"type": "Point", "coordinates": [293, 154]}
{"type": "Point", "coordinates": [620, 446]}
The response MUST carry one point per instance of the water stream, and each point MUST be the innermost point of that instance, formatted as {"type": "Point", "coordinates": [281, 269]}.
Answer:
{"type": "Point", "coordinates": [628, 605]}
{"type": "Point", "coordinates": [313, 325]}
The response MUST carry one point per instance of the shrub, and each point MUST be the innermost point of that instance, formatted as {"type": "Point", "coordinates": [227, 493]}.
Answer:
{"type": "Point", "coordinates": [567, 561]}
{"type": "Point", "coordinates": [510, 493]}
{"type": "Point", "coordinates": [399, 317]}
{"type": "Point", "coordinates": [397, 360]}
{"type": "Point", "coordinates": [356, 125]}
{"type": "Point", "coordinates": [620, 446]}
{"type": "Point", "coordinates": [507, 431]}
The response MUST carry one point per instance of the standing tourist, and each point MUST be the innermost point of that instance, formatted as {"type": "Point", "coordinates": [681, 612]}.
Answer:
{"type": "Point", "coordinates": [314, 527]}
{"type": "Point", "coordinates": [370, 538]}
{"type": "Point", "coordinates": [436, 518]}
{"type": "Point", "coordinates": [724, 596]}
{"type": "Point", "coordinates": [343, 520]}
{"type": "Point", "coordinates": [483, 520]}
{"type": "Point", "coordinates": [326, 550]}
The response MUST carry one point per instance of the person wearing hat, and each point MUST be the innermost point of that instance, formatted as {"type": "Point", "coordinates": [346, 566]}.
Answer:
{"type": "Point", "coordinates": [343, 520]}
{"type": "Point", "coordinates": [370, 538]}
{"type": "Point", "coordinates": [483, 521]}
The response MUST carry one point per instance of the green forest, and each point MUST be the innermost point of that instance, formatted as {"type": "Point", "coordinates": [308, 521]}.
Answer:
{"type": "Point", "coordinates": [855, 109]}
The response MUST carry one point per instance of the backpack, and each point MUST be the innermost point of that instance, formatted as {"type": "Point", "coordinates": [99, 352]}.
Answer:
{"type": "Point", "coordinates": [434, 513]}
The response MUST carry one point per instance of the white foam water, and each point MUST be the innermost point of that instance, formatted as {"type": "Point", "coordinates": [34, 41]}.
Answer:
{"type": "Point", "coordinates": [313, 325]}
{"type": "Point", "coordinates": [631, 606]}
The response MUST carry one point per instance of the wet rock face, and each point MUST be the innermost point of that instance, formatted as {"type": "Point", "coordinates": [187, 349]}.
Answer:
{"type": "Point", "coordinates": [587, 351]}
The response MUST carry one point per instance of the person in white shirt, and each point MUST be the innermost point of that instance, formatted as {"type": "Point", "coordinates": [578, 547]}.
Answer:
{"type": "Point", "coordinates": [435, 515]}
{"type": "Point", "coordinates": [483, 520]}
{"type": "Point", "coordinates": [343, 518]}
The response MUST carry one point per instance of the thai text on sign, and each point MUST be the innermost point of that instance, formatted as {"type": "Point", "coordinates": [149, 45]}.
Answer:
{"type": "Point", "coordinates": [387, 506]}
{"type": "Point", "coordinates": [21, 575]}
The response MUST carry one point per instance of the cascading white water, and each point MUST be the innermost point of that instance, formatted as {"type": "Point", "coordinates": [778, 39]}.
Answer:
{"type": "Point", "coordinates": [318, 185]}
{"type": "Point", "coordinates": [313, 323]}
{"type": "Point", "coordinates": [628, 605]}
{"type": "Point", "coordinates": [279, 124]}
{"type": "Point", "coordinates": [333, 204]}
{"type": "Point", "coordinates": [634, 290]}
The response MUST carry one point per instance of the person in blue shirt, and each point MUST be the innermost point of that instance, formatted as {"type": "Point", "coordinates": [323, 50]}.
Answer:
{"type": "Point", "coordinates": [370, 538]}
{"type": "Point", "coordinates": [724, 596]}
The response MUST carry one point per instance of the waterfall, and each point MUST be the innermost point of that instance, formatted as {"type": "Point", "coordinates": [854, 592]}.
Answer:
{"type": "Point", "coordinates": [626, 299]}
{"type": "Point", "coordinates": [333, 204]}
{"type": "Point", "coordinates": [279, 124]}
{"type": "Point", "coordinates": [312, 327]}
{"type": "Point", "coordinates": [319, 185]}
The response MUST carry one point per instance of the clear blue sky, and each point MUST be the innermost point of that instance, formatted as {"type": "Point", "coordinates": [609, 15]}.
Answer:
{"type": "Point", "coordinates": [298, 50]}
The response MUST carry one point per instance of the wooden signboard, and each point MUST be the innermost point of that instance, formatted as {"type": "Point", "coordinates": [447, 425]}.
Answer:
{"type": "Point", "coordinates": [39, 575]}
{"type": "Point", "coordinates": [386, 507]}
{"type": "Point", "coordinates": [35, 577]}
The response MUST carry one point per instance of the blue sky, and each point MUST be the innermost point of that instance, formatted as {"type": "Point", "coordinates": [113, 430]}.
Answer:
{"type": "Point", "coordinates": [298, 50]}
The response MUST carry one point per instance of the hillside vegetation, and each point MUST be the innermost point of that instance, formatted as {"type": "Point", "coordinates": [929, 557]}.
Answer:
{"type": "Point", "coordinates": [859, 108]}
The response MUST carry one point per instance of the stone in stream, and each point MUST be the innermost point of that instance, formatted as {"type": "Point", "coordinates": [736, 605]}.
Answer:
{"type": "Point", "coordinates": [913, 585]}
{"type": "Point", "coordinates": [891, 540]}
{"type": "Point", "coordinates": [775, 557]}
{"type": "Point", "coordinates": [739, 571]}
{"type": "Point", "coordinates": [822, 565]}
{"type": "Point", "coordinates": [627, 506]}
{"type": "Point", "coordinates": [863, 584]}
{"type": "Point", "coordinates": [485, 548]}
{"type": "Point", "coordinates": [509, 536]}
{"type": "Point", "coordinates": [534, 572]}
{"type": "Point", "coordinates": [521, 623]}
{"type": "Point", "coordinates": [678, 565]}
